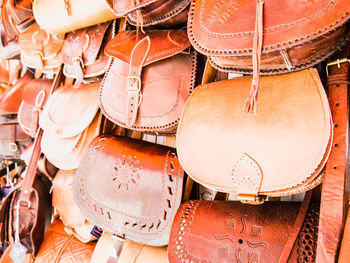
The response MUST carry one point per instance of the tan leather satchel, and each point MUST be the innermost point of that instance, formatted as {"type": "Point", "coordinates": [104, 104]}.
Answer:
{"type": "Point", "coordinates": [83, 52]}
{"type": "Point", "coordinates": [70, 120]}
{"type": "Point", "coordinates": [71, 14]}
{"type": "Point", "coordinates": [149, 81]}
{"type": "Point", "coordinates": [59, 247]}
{"type": "Point", "coordinates": [66, 208]}
{"type": "Point", "coordinates": [130, 188]}
{"type": "Point", "coordinates": [279, 151]}
{"type": "Point", "coordinates": [281, 36]}
{"type": "Point", "coordinates": [41, 50]}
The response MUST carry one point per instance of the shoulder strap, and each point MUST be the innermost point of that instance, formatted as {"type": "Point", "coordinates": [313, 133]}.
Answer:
{"type": "Point", "coordinates": [332, 198]}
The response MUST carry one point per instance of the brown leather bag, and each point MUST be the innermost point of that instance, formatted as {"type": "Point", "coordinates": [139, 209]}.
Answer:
{"type": "Point", "coordinates": [70, 120]}
{"type": "Point", "coordinates": [279, 151]}
{"type": "Point", "coordinates": [66, 208]}
{"type": "Point", "coordinates": [83, 52]}
{"type": "Point", "coordinates": [297, 36]}
{"type": "Point", "coordinates": [59, 247]}
{"type": "Point", "coordinates": [130, 188]}
{"type": "Point", "coordinates": [145, 13]}
{"type": "Point", "coordinates": [149, 81]}
{"type": "Point", "coordinates": [233, 232]}
{"type": "Point", "coordinates": [41, 50]}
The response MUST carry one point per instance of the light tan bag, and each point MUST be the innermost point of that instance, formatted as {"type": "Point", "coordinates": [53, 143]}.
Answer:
{"type": "Point", "coordinates": [62, 16]}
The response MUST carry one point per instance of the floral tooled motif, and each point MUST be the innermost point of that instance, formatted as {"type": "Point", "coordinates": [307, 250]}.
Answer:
{"type": "Point", "coordinates": [126, 173]}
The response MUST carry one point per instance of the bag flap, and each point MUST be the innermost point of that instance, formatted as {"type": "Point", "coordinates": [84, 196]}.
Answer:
{"type": "Point", "coordinates": [163, 44]}
{"type": "Point", "coordinates": [284, 146]}
{"type": "Point", "coordinates": [123, 7]}
{"type": "Point", "coordinates": [229, 230]}
{"type": "Point", "coordinates": [130, 188]}
{"type": "Point", "coordinates": [227, 28]}
{"type": "Point", "coordinates": [69, 111]}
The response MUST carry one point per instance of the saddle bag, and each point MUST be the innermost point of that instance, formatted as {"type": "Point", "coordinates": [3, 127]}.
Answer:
{"type": "Point", "coordinates": [83, 52]}
{"type": "Point", "coordinates": [149, 81]}
{"type": "Point", "coordinates": [295, 37]}
{"type": "Point", "coordinates": [130, 188]}
{"type": "Point", "coordinates": [279, 151]}
{"type": "Point", "coordinates": [70, 120]}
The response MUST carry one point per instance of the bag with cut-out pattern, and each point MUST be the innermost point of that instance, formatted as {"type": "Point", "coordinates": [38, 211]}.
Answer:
{"type": "Point", "coordinates": [130, 188]}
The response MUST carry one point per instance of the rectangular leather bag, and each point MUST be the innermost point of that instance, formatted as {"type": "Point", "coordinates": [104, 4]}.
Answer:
{"type": "Point", "coordinates": [279, 151]}
{"type": "Point", "coordinates": [59, 247]}
{"type": "Point", "coordinates": [70, 120]}
{"type": "Point", "coordinates": [71, 14]}
{"type": "Point", "coordinates": [149, 81]}
{"type": "Point", "coordinates": [278, 232]}
{"type": "Point", "coordinates": [297, 36]}
{"type": "Point", "coordinates": [130, 188]}
{"type": "Point", "coordinates": [83, 52]}
{"type": "Point", "coordinates": [169, 13]}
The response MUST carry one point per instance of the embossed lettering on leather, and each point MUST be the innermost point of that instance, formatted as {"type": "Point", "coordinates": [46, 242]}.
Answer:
{"type": "Point", "coordinates": [298, 36]}
{"type": "Point", "coordinates": [288, 141]}
{"type": "Point", "coordinates": [234, 232]}
{"type": "Point", "coordinates": [70, 121]}
{"type": "Point", "coordinates": [149, 80]}
{"type": "Point", "coordinates": [130, 188]}
{"type": "Point", "coordinates": [60, 247]}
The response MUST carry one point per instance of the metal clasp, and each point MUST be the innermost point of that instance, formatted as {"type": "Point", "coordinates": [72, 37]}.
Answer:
{"type": "Point", "coordinates": [134, 84]}
{"type": "Point", "coordinates": [251, 199]}
{"type": "Point", "coordinates": [336, 62]}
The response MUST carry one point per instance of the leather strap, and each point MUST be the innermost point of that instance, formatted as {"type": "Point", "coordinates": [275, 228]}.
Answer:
{"type": "Point", "coordinates": [332, 198]}
{"type": "Point", "coordinates": [30, 176]}
{"type": "Point", "coordinates": [138, 57]}
{"type": "Point", "coordinates": [296, 228]}
{"type": "Point", "coordinates": [344, 254]}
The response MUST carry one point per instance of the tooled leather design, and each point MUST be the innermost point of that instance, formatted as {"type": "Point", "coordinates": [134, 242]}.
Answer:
{"type": "Point", "coordinates": [126, 173]}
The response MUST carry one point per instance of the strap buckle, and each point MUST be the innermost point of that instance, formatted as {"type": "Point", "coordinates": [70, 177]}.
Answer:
{"type": "Point", "coordinates": [133, 84]}
{"type": "Point", "coordinates": [336, 62]}
{"type": "Point", "coordinates": [251, 199]}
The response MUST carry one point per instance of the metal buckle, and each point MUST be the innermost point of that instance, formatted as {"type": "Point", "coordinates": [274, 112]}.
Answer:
{"type": "Point", "coordinates": [28, 203]}
{"type": "Point", "coordinates": [251, 199]}
{"type": "Point", "coordinates": [13, 147]}
{"type": "Point", "coordinates": [336, 62]}
{"type": "Point", "coordinates": [134, 84]}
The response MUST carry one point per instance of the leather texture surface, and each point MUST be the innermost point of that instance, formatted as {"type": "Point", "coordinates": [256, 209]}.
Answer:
{"type": "Point", "coordinates": [83, 51]}
{"type": "Point", "coordinates": [305, 31]}
{"type": "Point", "coordinates": [75, 15]}
{"type": "Point", "coordinates": [279, 151]}
{"type": "Point", "coordinates": [66, 208]}
{"type": "Point", "coordinates": [70, 120]}
{"type": "Point", "coordinates": [344, 254]}
{"type": "Point", "coordinates": [130, 188]}
{"type": "Point", "coordinates": [149, 80]}
{"type": "Point", "coordinates": [59, 247]}
{"type": "Point", "coordinates": [102, 249]}
{"type": "Point", "coordinates": [234, 232]}
{"type": "Point", "coordinates": [41, 50]}
{"type": "Point", "coordinates": [139, 253]}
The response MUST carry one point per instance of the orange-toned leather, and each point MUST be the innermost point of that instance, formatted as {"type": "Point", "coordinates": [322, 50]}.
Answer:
{"type": "Point", "coordinates": [228, 231]}
{"type": "Point", "coordinates": [40, 50]}
{"type": "Point", "coordinates": [136, 187]}
{"type": "Point", "coordinates": [295, 37]}
{"type": "Point", "coordinates": [70, 120]}
{"type": "Point", "coordinates": [138, 253]}
{"type": "Point", "coordinates": [344, 253]}
{"type": "Point", "coordinates": [279, 151]}
{"type": "Point", "coordinates": [83, 52]}
{"type": "Point", "coordinates": [82, 14]}
{"type": "Point", "coordinates": [66, 208]}
{"type": "Point", "coordinates": [149, 80]}
{"type": "Point", "coordinates": [59, 247]}
{"type": "Point", "coordinates": [332, 214]}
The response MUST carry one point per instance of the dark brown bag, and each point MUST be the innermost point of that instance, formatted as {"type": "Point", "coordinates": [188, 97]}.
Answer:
{"type": "Point", "coordinates": [234, 232]}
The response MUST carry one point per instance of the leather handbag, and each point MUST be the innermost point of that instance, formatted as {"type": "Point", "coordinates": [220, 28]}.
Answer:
{"type": "Point", "coordinates": [59, 247]}
{"type": "Point", "coordinates": [72, 14]}
{"type": "Point", "coordinates": [83, 52]}
{"type": "Point", "coordinates": [41, 50]}
{"type": "Point", "coordinates": [149, 81]}
{"type": "Point", "coordinates": [70, 120]}
{"type": "Point", "coordinates": [139, 253]}
{"type": "Point", "coordinates": [130, 188]}
{"type": "Point", "coordinates": [297, 36]}
{"type": "Point", "coordinates": [279, 151]}
{"type": "Point", "coordinates": [153, 12]}
{"type": "Point", "coordinates": [234, 232]}
{"type": "Point", "coordinates": [66, 208]}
